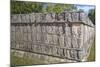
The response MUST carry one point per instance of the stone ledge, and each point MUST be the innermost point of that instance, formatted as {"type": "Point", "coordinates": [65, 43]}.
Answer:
{"type": "Point", "coordinates": [44, 58]}
{"type": "Point", "coordinates": [51, 18]}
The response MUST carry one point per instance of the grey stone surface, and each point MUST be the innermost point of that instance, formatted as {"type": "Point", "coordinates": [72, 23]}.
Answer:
{"type": "Point", "coordinates": [66, 35]}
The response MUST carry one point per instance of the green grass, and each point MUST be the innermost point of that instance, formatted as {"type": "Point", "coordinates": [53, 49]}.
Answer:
{"type": "Point", "coordinates": [92, 53]}
{"type": "Point", "coordinates": [17, 61]}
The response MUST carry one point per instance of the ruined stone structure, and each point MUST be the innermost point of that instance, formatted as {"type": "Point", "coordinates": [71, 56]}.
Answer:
{"type": "Point", "coordinates": [63, 37]}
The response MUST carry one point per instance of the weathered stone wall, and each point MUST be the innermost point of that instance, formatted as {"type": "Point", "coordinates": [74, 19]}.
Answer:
{"type": "Point", "coordinates": [67, 35]}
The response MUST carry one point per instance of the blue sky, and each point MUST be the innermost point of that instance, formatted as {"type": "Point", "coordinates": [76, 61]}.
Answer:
{"type": "Point", "coordinates": [86, 8]}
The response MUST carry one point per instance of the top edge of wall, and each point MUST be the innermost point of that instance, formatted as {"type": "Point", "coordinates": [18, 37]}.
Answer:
{"type": "Point", "coordinates": [81, 2]}
{"type": "Point", "coordinates": [80, 17]}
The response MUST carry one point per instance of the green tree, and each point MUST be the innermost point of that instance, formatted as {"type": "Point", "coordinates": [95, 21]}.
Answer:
{"type": "Point", "coordinates": [69, 7]}
{"type": "Point", "coordinates": [57, 8]}
{"type": "Point", "coordinates": [21, 7]}
{"type": "Point", "coordinates": [49, 8]}
{"type": "Point", "coordinates": [92, 15]}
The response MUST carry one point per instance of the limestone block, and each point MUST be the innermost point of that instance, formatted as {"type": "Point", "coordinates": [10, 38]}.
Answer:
{"type": "Point", "coordinates": [61, 17]}
{"type": "Point", "coordinates": [38, 17]}
{"type": "Point", "coordinates": [32, 18]}
{"type": "Point", "coordinates": [16, 18]}
{"type": "Point", "coordinates": [68, 17]}
{"type": "Point", "coordinates": [75, 17]}
{"type": "Point", "coordinates": [82, 17]}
